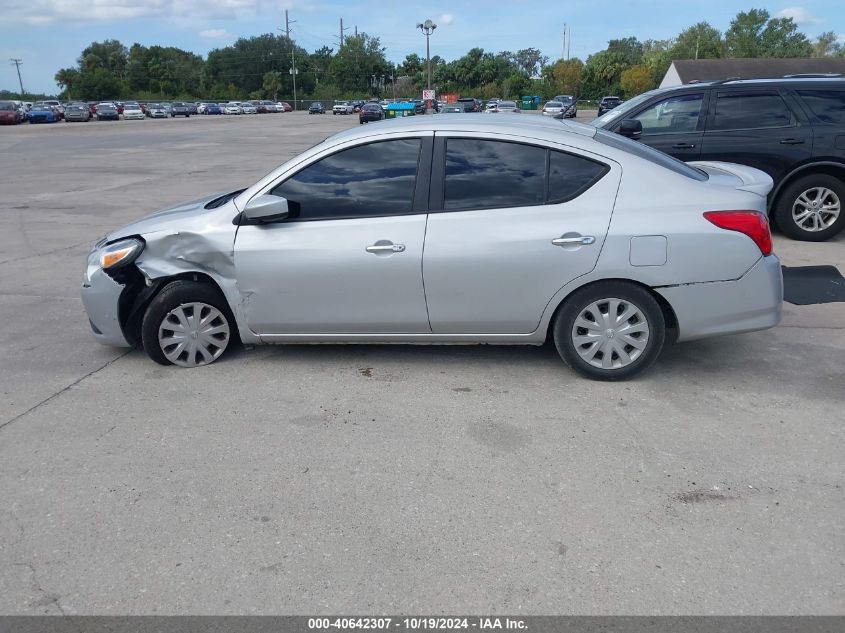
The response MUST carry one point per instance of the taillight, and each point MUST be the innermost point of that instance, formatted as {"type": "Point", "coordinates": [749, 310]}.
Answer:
{"type": "Point", "coordinates": [752, 223]}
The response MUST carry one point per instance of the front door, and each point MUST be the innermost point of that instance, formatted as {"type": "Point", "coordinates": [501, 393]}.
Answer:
{"type": "Point", "coordinates": [348, 259]}
{"type": "Point", "coordinates": [511, 224]}
{"type": "Point", "coordinates": [674, 125]}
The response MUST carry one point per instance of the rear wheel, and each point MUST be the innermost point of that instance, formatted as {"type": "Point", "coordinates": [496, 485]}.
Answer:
{"type": "Point", "coordinates": [811, 208]}
{"type": "Point", "coordinates": [610, 330]}
{"type": "Point", "coordinates": [188, 324]}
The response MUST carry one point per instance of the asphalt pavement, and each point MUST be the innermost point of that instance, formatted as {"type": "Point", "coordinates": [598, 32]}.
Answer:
{"type": "Point", "coordinates": [385, 479]}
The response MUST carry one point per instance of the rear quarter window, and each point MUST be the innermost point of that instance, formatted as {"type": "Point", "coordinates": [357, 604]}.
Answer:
{"type": "Point", "coordinates": [650, 154]}
{"type": "Point", "coordinates": [827, 105]}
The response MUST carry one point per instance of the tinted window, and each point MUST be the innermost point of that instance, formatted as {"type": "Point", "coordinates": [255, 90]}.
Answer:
{"type": "Point", "coordinates": [750, 110]}
{"type": "Point", "coordinates": [569, 175]}
{"type": "Point", "coordinates": [484, 174]}
{"type": "Point", "coordinates": [649, 153]}
{"type": "Point", "coordinates": [827, 105]}
{"type": "Point", "coordinates": [673, 115]}
{"type": "Point", "coordinates": [368, 180]}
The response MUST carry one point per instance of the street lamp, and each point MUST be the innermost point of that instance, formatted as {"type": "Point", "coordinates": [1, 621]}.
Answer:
{"type": "Point", "coordinates": [427, 28]}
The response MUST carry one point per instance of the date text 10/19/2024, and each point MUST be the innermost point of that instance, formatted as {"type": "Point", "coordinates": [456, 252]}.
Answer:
{"type": "Point", "coordinates": [416, 623]}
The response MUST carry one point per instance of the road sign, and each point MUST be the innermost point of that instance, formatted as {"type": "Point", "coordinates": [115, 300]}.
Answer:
{"type": "Point", "coordinates": [428, 95]}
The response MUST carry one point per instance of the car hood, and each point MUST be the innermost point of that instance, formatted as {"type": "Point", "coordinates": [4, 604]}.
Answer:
{"type": "Point", "coordinates": [171, 219]}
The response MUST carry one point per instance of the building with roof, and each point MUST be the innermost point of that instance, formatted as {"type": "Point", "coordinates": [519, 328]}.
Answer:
{"type": "Point", "coordinates": [684, 71]}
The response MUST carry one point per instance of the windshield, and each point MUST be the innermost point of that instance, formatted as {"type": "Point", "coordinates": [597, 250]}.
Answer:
{"type": "Point", "coordinates": [607, 117]}
{"type": "Point", "coordinates": [6, 105]}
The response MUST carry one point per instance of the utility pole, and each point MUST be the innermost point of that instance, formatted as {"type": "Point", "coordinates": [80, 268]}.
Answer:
{"type": "Point", "coordinates": [356, 30]}
{"type": "Point", "coordinates": [17, 62]}
{"type": "Point", "coordinates": [293, 70]}
{"type": "Point", "coordinates": [563, 48]}
{"type": "Point", "coordinates": [342, 30]}
{"type": "Point", "coordinates": [568, 42]}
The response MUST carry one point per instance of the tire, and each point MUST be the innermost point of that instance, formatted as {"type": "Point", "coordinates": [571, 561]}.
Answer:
{"type": "Point", "coordinates": [812, 209]}
{"type": "Point", "coordinates": [187, 298]}
{"type": "Point", "coordinates": [642, 346]}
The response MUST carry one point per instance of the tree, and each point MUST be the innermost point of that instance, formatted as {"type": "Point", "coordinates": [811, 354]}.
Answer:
{"type": "Point", "coordinates": [636, 80]}
{"type": "Point", "coordinates": [66, 78]}
{"type": "Point", "coordinates": [601, 74]}
{"type": "Point", "coordinates": [827, 45]}
{"type": "Point", "coordinates": [629, 48]}
{"type": "Point", "coordinates": [781, 38]}
{"type": "Point", "coordinates": [742, 39]}
{"type": "Point", "coordinates": [272, 84]}
{"type": "Point", "coordinates": [528, 60]}
{"type": "Point", "coordinates": [700, 41]}
{"type": "Point", "coordinates": [564, 77]}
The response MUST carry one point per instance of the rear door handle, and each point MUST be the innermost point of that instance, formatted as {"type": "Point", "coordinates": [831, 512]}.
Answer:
{"type": "Point", "coordinates": [571, 241]}
{"type": "Point", "coordinates": [683, 146]}
{"type": "Point", "coordinates": [792, 141]}
{"type": "Point", "coordinates": [381, 247]}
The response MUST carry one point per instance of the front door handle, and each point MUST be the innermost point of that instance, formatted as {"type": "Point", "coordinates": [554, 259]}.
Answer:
{"type": "Point", "coordinates": [383, 247]}
{"type": "Point", "coordinates": [573, 241]}
{"type": "Point", "coordinates": [792, 141]}
{"type": "Point", "coordinates": [683, 146]}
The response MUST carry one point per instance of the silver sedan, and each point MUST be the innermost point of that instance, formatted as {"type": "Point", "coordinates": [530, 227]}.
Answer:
{"type": "Point", "coordinates": [446, 230]}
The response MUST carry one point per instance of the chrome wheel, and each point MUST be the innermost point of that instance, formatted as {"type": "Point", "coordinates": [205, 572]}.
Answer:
{"type": "Point", "coordinates": [816, 209]}
{"type": "Point", "coordinates": [610, 333]}
{"type": "Point", "coordinates": [193, 334]}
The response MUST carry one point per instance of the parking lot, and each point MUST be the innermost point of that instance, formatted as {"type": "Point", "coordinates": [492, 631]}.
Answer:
{"type": "Point", "coordinates": [330, 479]}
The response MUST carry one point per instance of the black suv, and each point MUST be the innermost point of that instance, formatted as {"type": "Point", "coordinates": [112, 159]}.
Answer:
{"type": "Point", "coordinates": [791, 128]}
{"type": "Point", "coordinates": [608, 103]}
{"type": "Point", "coordinates": [180, 109]}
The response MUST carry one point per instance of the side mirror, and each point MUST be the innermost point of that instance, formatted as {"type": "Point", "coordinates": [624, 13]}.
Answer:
{"type": "Point", "coordinates": [265, 209]}
{"type": "Point", "coordinates": [631, 128]}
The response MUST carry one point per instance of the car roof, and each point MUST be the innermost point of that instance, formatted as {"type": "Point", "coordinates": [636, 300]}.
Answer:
{"type": "Point", "coordinates": [793, 82]}
{"type": "Point", "coordinates": [536, 126]}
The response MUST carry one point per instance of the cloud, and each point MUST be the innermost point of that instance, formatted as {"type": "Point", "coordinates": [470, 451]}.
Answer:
{"type": "Point", "coordinates": [52, 11]}
{"type": "Point", "coordinates": [214, 33]}
{"type": "Point", "coordinates": [446, 18]}
{"type": "Point", "coordinates": [799, 15]}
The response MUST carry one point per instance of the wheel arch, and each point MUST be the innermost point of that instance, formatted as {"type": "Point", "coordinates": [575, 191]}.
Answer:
{"type": "Point", "coordinates": [666, 308]}
{"type": "Point", "coordinates": [828, 167]}
{"type": "Point", "coordinates": [136, 297]}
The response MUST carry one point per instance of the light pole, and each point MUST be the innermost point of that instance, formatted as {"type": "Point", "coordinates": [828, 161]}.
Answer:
{"type": "Point", "coordinates": [427, 28]}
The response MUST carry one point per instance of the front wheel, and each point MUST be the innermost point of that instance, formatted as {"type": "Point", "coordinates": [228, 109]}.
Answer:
{"type": "Point", "coordinates": [610, 330]}
{"type": "Point", "coordinates": [810, 209]}
{"type": "Point", "coordinates": [188, 324]}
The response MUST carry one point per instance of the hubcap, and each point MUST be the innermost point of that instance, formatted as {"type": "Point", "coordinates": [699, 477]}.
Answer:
{"type": "Point", "coordinates": [193, 334]}
{"type": "Point", "coordinates": [610, 333]}
{"type": "Point", "coordinates": [816, 209]}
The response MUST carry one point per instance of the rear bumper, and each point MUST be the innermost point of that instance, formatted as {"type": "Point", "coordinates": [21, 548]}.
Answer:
{"type": "Point", "coordinates": [101, 298]}
{"type": "Point", "coordinates": [752, 302]}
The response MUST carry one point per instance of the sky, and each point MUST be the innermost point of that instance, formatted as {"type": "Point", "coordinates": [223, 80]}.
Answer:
{"type": "Point", "coordinates": [50, 34]}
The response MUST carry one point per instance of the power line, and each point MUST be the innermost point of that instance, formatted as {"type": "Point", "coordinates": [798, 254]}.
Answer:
{"type": "Point", "coordinates": [17, 62]}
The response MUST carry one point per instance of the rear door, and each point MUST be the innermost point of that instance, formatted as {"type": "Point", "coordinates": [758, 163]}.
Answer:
{"type": "Point", "coordinates": [756, 127]}
{"type": "Point", "coordinates": [511, 222]}
{"type": "Point", "coordinates": [674, 124]}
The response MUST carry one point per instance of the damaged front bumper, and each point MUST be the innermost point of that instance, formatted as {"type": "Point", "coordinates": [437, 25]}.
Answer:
{"type": "Point", "coordinates": [101, 298]}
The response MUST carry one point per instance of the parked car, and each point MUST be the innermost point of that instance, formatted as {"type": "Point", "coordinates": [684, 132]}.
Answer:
{"type": "Point", "coordinates": [92, 108]}
{"type": "Point", "coordinates": [452, 108]}
{"type": "Point", "coordinates": [192, 107]}
{"type": "Point", "coordinates": [563, 248]}
{"type": "Point", "coordinates": [233, 107]}
{"type": "Point", "coordinates": [570, 106]}
{"type": "Point", "coordinates": [370, 112]}
{"type": "Point", "coordinates": [791, 128]}
{"type": "Point", "coordinates": [213, 108]}
{"type": "Point", "coordinates": [9, 113]}
{"type": "Point", "coordinates": [157, 111]}
{"type": "Point", "coordinates": [43, 113]}
{"type": "Point", "coordinates": [259, 106]}
{"type": "Point", "coordinates": [509, 107]}
{"type": "Point", "coordinates": [57, 107]}
{"type": "Point", "coordinates": [107, 112]}
{"type": "Point", "coordinates": [132, 110]}
{"type": "Point", "coordinates": [284, 106]}
{"type": "Point", "coordinates": [342, 107]}
{"type": "Point", "coordinates": [178, 108]}
{"type": "Point", "coordinates": [248, 108]}
{"type": "Point", "coordinates": [469, 104]}
{"type": "Point", "coordinates": [552, 108]}
{"type": "Point", "coordinates": [316, 108]}
{"type": "Point", "coordinates": [608, 103]}
{"type": "Point", "coordinates": [77, 112]}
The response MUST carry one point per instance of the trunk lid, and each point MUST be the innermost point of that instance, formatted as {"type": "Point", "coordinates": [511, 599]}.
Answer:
{"type": "Point", "coordinates": [737, 176]}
